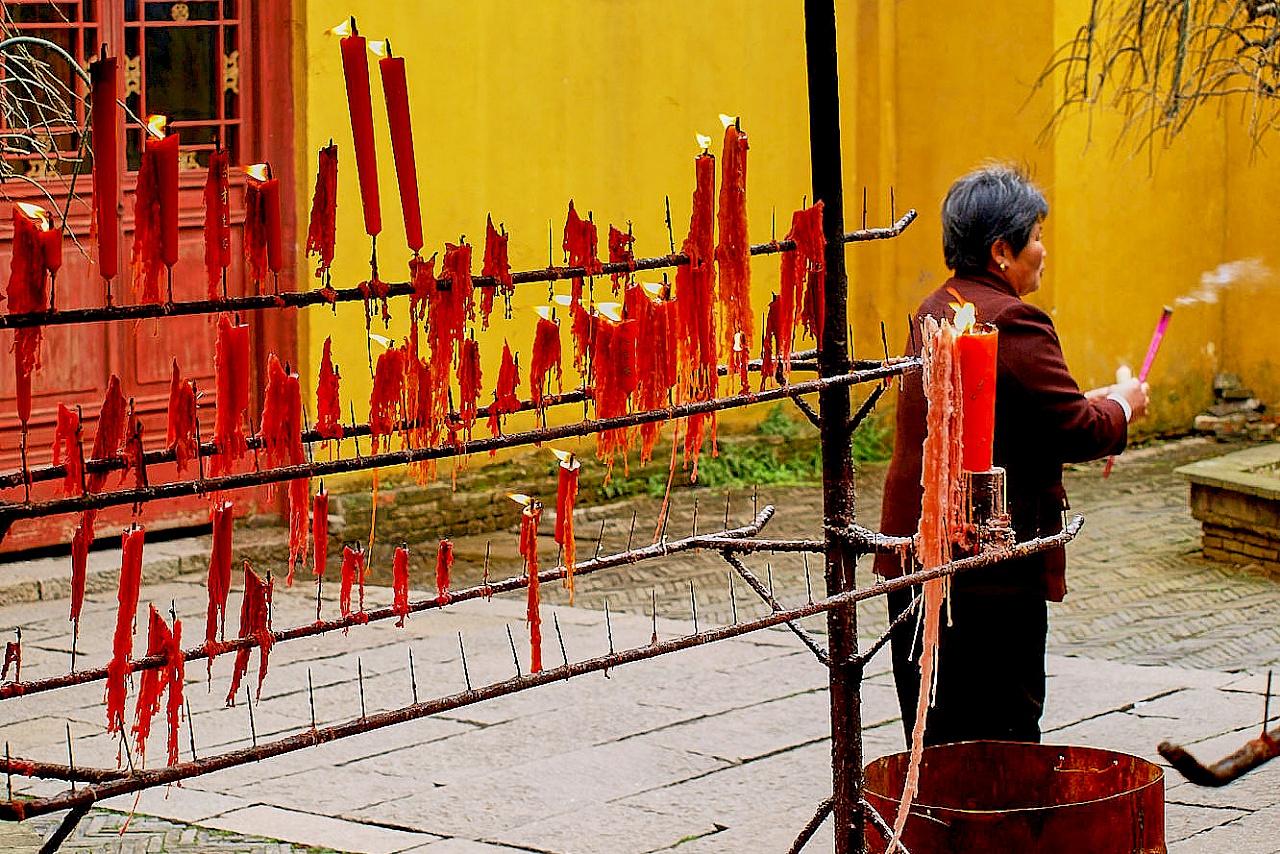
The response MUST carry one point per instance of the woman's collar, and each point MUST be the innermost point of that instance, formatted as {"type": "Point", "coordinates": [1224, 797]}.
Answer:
{"type": "Point", "coordinates": [986, 277]}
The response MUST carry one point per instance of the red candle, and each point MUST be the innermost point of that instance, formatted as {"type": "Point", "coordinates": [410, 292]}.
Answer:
{"type": "Point", "coordinates": [122, 644]}
{"type": "Point", "coordinates": [396, 91]}
{"type": "Point", "coordinates": [566, 497]}
{"type": "Point", "coordinates": [181, 435]}
{"type": "Point", "coordinates": [255, 622]}
{"type": "Point", "coordinates": [400, 583]}
{"type": "Point", "coordinates": [320, 531]}
{"type": "Point", "coordinates": [219, 583]}
{"type": "Point", "coordinates": [262, 221]}
{"type": "Point", "coordinates": [152, 683]}
{"type": "Point", "coordinates": [529, 519]}
{"type": "Point", "coordinates": [165, 152]}
{"type": "Point", "coordinates": [328, 406]}
{"type": "Point", "coordinates": [27, 292]}
{"type": "Point", "coordinates": [231, 378]}
{"type": "Point", "coordinates": [546, 356]}
{"type": "Point", "coordinates": [976, 348]}
{"type": "Point", "coordinates": [103, 74]}
{"type": "Point", "coordinates": [217, 219]}
{"type": "Point", "coordinates": [355, 70]}
{"type": "Point", "coordinates": [66, 438]}
{"type": "Point", "coordinates": [51, 243]}
{"type": "Point", "coordinates": [321, 232]}
{"type": "Point", "coordinates": [444, 563]}
{"type": "Point", "coordinates": [80, 542]}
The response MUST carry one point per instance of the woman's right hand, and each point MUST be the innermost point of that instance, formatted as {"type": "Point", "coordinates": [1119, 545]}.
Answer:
{"type": "Point", "coordinates": [1135, 393]}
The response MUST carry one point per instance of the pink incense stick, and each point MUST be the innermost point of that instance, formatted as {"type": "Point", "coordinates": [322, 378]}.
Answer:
{"type": "Point", "coordinates": [1152, 348]}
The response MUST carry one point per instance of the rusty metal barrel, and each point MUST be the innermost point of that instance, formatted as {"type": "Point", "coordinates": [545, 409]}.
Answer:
{"type": "Point", "coordinates": [1008, 796]}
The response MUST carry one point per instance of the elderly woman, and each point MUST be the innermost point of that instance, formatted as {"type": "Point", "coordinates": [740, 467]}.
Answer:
{"type": "Point", "coordinates": [991, 673]}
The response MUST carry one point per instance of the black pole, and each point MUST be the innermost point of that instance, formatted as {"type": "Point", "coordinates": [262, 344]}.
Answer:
{"type": "Point", "coordinates": [837, 461]}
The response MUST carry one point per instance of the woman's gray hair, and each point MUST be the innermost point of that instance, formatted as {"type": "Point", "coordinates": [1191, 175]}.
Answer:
{"type": "Point", "coordinates": [995, 202]}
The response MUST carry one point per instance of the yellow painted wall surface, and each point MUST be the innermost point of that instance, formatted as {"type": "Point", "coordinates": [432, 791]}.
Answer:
{"type": "Point", "coordinates": [519, 107]}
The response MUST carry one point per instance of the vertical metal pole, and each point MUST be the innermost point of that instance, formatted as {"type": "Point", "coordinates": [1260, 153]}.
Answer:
{"type": "Point", "coordinates": [837, 463]}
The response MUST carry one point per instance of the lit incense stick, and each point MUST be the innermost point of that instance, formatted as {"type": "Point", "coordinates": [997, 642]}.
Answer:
{"type": "Point", "coordinates": [1152, 348]}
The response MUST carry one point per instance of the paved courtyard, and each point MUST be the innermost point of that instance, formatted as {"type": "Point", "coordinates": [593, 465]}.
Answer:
{"type": "Point", "coordinates": [722, 748]}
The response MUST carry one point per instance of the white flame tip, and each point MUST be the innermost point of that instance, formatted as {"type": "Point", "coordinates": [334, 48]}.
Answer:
{"type": "Point", "coordinates": [704, 142]}
{"type": "Point", "coordinates": [727, 120]}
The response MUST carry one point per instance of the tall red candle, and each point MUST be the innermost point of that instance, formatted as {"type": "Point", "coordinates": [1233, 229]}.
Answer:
{"type": "Point", "coordinates": [165, 152]}
{"type": "Point", "coordinates": [217, 219]}
{"type": "Point", "coordinates": [355, 70]}
{"type": "Point", "coordinates": [104, 74]}
{"type": "Point", "coordinates": [566, 497]}
{"type": "Point", "coordinates": [396, 91]}
{"type": "Point", "coordinates": [976, 348]}
{"type": "Point", "coordinates": [27, 292]}
{"type": "Point", "coordinates": [529, 519]}
{"type": "Point", "coordinates": [400, 583]}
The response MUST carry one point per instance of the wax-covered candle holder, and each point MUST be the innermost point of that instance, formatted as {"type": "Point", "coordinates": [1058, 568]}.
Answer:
{"type": "Point", "coordinates": [986, 509]}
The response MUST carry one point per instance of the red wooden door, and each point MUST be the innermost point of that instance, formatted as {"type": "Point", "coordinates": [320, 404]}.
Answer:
{"type": "Point", "coordinates": [204, 65]}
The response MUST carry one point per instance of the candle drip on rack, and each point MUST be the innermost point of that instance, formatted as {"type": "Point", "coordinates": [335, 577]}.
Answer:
{"type": "Point", "coordinates": [400, 584]}
{"type": "Point", "coordinates": [322, 226]}
{"type": "Point", "coordinates": [217, 222]}
{"type": "Point", "coordinates": [353, 572]}
{"type": "Point", "coordinates": [155, 211]}
{"type": "Point", "coordinates": [156, 681]}
{"type": "Point", "coordinates": [444, 565]}
{"type": "Point", "coordinates": [566, 496]}
{"type": "Point", "coordinates": [469, 380]}
{"type": "Point", "coordinates": [612, 376]}
{"type": "Point", "coordinates": [505, 397]}
{"type": "Point", "coordinates": [546, 356]}
{"type": "Point", "coordinates": [255, 622]}
{"type": "Point", "coordinates": [657, 366]}
{"type": "Point", "coordinates": [281, 436]}
{"type": "Point", "coordinates": [387, 400]}
{"type": "Point", "coordinates": [497, 267]}
{"type": "Point", "coordinates": [219, 584]}
{"type": "Point", "coordinates": [976, 347]}
{"type": "Point", "coordinates": [621, 252]}
{"type": "Point", "coordinates": [733, 252]}
{"type": "Point", "coordinates": [122, 644]}
{"type": "Point", "coordinates": [66, 440]}
{"type": "Point", "coordinates": [28, 291]}
{"type": "Point", "coordinates": [580, 248]}
{"type": "Point", "coordinates": [231, 377]}
{"type": "Point", "coordinates": [328, 404]}
{"type": "Point", "coordinates": [811, 243]}
{"type": "Point", "coordinates": [180, 437]}
{"type": "Point", "coordinates": [530, 516]}
{"type": "Point", "coordinates": [262, 246]}
{"type": "Point", "coordinates": [320, 533]}
{"type": "Point", "coordinates": [696, 308]}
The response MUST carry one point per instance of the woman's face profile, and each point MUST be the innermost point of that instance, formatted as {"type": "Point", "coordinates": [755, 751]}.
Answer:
{"type": "Point", "coordinates": [1023, 271]}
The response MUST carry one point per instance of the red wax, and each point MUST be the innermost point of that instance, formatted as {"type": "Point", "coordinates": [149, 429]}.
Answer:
{"type": "Point", "coordinates": [219, 575]}
{"type": "Point", "coordinates": [165, 152]}
{"type": "Point", "coordinates": [355, 68]}
{"type": "Point", "coordinates": [106, 168]}
{"type": "Point", "coordinates": [566, 497]}
{"type": "Point", "coordinates": [271, 204]}
{"type": "Point", "coordinates": [122, 644]}
{"type": "Point", "coordinates": [977, 351]}
{"type": "Point", "coordinates": [529, 551]}
{"type": "Point", "coordinates": [397, 94]}
{"type": "Point", "coordinates": [444, 563]}
{"type": "Point", "coordinates": [400, 584]}
{"type": "Point", "coordinates": [328, 406]}
{"type": "Point", "coordinates": [217, 220]}
{"type": "Point", "coordinates": [320, 531]}
{"type": "Point", "coordinates": [27, 292]}
{"type": "Point", "coordinates": [51, 243]}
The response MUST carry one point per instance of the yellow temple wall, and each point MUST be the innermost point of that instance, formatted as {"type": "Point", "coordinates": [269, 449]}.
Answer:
{"type": "Point", "coordinates": [519, 107]}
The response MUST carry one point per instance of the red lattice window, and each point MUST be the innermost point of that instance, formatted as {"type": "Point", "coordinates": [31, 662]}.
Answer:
{"type": "Point", "coordinates": [41, 95]}
{"type": "Point", "coordinates": [182, 60]}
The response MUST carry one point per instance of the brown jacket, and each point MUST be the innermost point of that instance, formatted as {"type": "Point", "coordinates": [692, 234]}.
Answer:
{"type": "Point", "coordinates": [1042, 421]}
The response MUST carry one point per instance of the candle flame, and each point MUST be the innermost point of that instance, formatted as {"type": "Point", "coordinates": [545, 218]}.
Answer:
{"type": "Point", "coordinates": [728, 120]}
{"type": "Point", "coordinates": [654, 289]}
{"type": "Point", "coordinates": [380, 48]}
{"type": "Point", "coordinates": [520, 498]}
{"type": "Point", "coordinates": [737, 342]}
{"type": "Point", "coordinates": [544, 311]}
{"type": "Point", "coordinates": [562, 299]}
{"type": "Point", "coordinates": [568, 460]}
{"type": "Point", "coordinates": [384, 341]}
{"type": "Point", "coordinates": [36, 214]}
{"type": "Point", "coordinates": [156, 126]}
{"type": "Point", "coordinates": [705, 142]}
{"type": "Point", "coordinates": [344, 29]}
{"type": "Point", "coordinates": [258, 171]}
{"type": "Point", "coordinates": [610, 310]}
{"type": "Point", "coordinates": [966, 316]}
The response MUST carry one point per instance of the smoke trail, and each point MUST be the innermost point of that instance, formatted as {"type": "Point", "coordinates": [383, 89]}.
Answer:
{"type": "Point", "coordinates": [1249, 272]}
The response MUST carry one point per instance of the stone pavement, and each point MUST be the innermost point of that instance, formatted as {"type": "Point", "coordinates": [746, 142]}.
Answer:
{"type": "Point", "coordinates": [716, 749]}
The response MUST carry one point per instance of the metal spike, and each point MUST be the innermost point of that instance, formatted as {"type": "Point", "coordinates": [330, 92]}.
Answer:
{"type": "Point", "coordinates": [191, 731]}
{"type": "Point", "coordinates": [600, 538]}
{"type": "Point", "coordinates": [728, 494]}
{"type": "Point", "coordinates": [488, 590]}
{"type": "Point", "coordinates": [71, 759]}
{"type": "Point", "coordinates": [693, 604]}
{"type": "Point", "coordinates": [360, 679]}
{"type": "Point", "coordinates": [311, 696]}
{"type": "Point", "coordinates": [253, 729]}
{"type": "Point", "coordinates": [128, 755]}
{"type": "Point", "coordinates": [755, 500]}
{"type": "Point", "coordinates": [413, 677]}
{"type": "Point", "coordinates": [769, 569]}
{"type": "Point", "coordinates": [608, 625]}
{"type": "Point", "coordinates": [653, 593]}
{"type": "Point", "coordinates": [733, 599]}
{"type": "Point", "coordinates": [632, 532]}
{"type": "Point", "coordinates": [695, 515]}
{"type": "Point", "coordinates": [1266, 706]}
{"type": "Point", "coordinates": [808, 582]}
{"type": "Point", "coordinates": [8, 773]}
{"type": "Point", "coordinates": [463, 652]}
{"type": "Point", "coordinates": [563, 654]}
{"type": "Point", "coordinates": [319, 588]}
{"type": "Point", "coordinates": [514, 657]}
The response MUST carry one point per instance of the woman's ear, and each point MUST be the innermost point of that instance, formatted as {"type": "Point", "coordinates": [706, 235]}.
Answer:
{"type": "Point", "coordinates": [1001, 254]}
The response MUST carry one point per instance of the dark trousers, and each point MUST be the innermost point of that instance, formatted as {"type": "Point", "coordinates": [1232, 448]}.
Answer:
{"type": "Point", "coordinates": [990, 667]}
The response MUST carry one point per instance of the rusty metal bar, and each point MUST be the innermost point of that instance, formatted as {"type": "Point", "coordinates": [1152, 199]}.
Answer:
{"type": "Point", "coordinates": [1257, 751]}
{"type": "Point", "coordinates": [819, 816]}
{"type": "Point", "coordinates": [736, 538]}
{"type": "Point", "coordinates": [10, 511]}
{"type": "Point", "coordinates": [300, 299]}
{"type": "Point", "coordinates": [754, 583]}
{"type": "Point", "coordinates": [15, 810]}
